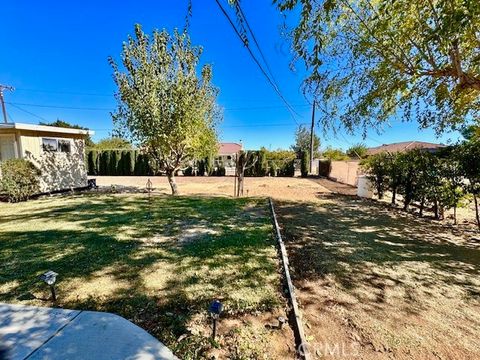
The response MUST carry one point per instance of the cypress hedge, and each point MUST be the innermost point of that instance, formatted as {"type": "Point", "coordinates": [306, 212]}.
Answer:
{"type": "Point", "coordinates": [118, 163]}
{"type": "Point", "coordinates": [135, 163]}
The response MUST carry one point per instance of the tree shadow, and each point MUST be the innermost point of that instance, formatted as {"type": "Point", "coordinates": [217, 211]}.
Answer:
{"type": "Point", "coordinates": [349, 238]}
{"type": "Point", "coordinates": [164, 278]}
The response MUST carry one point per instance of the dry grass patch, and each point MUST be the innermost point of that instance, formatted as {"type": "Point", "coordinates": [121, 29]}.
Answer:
{"type": "Point", "coordinates": [378, 284]}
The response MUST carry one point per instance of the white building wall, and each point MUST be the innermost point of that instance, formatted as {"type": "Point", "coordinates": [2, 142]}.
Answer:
{"type": "Point", "coordinates": [60, 171]}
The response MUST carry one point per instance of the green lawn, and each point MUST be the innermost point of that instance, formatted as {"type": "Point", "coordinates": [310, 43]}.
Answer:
{"type": "Point", "coordinates": [157, 264]}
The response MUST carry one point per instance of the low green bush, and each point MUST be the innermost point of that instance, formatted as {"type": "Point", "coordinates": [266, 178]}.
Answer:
{"type": "Point", "coordinates": [19, 179]}
{"type": "Point", "coordinates": [304, 165]}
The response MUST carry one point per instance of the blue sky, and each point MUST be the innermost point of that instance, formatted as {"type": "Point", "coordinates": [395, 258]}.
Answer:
{"type": "Point", "coordinates": [55, 54]}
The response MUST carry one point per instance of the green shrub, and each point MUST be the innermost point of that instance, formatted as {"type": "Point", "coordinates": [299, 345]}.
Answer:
{"type": "Point", "coordinates": [19, 179]}
{"type": "Point", "coordinates": [272, 170]}
{"type": "Point", "coordinates": [114, 158]}
{"type": "Point", "coordinates": [129, 162]}
{"type": "Point", "coordinates": [220, 171]}
{"type": "Point", "coordinates": [201, 167]}
{"type": "Point", "coordinates": [287, 168]}
{"type": "Point", "coordinates": [92, 162]}
{"type": "Point", "coordinates": [304, 165]}
{"type": "Point", "coordinates": [104, 162]}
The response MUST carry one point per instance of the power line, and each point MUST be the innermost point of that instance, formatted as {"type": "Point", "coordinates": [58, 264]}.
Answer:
{"type": "Point", "coordinates": [64, 92]}
{"type": "Point", "coordinates": [110, 109]}
{"type": "Point", "coordinates": [290, 109]}
{"type": "Point", "coordinates": [60, 107]}
{"type": "Point", "coordinates": [256, 43]}
{"type": "Point", "coordinates": [28, 112]}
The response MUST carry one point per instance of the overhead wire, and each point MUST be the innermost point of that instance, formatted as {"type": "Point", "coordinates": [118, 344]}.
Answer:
{"type": "Point", "coordinates": [252, 55]}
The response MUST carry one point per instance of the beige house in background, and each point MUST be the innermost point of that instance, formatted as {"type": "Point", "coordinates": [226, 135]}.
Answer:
{"type": "Point", "coordinates": [59, 153]}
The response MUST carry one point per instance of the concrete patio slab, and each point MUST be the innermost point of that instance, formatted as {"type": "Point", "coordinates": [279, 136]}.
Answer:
{"type": "Point", "coordinates": [29, 332]}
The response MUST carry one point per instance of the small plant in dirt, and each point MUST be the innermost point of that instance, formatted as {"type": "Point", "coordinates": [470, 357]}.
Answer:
{"type": "Point", "coordinates": [19, 179]}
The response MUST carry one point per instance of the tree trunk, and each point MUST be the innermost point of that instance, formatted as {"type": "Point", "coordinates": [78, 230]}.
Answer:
{"type": "Point", "coordinates": [240, 185]}
{"type": "Point", "coordinates": [435, 209]}
{"type": "Point", "coordinates": [422, 205]}
{"type": "Point", "coordinates": [394, 195]}
{"type": "Point", "coordinates": [455, 214]}
{"type": "Point", "coordinates": [476, 209]}
{"type": "Point", "coordinates": [172, 182]}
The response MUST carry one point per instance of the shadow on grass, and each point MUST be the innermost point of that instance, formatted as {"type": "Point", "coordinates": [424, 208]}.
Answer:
{"type": "Point", "coordinates": [347, 238]}
{"type": "Point", "coordinates": [166, 278]}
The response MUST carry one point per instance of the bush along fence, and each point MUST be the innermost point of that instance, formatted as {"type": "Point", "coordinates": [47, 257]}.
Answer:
{"type": "Point", "coordinates": [444, 180]}
{"type": "Point", "coordinates": [135, 163]}
{"type": "Point", "coordinates": [118, 163]}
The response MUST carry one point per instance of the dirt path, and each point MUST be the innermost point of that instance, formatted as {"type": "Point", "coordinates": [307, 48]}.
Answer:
{"type": "Point", "coordinates": [378, 284]}
{"type": "Point", "coordinates": [297, 189]}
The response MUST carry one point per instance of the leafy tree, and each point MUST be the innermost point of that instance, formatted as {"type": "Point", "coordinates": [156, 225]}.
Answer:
{"type": "Point", "coordinates": [394, 169]}
{"type": "Point", "coordinates": [468, 154]}
{"type": "Point", "coordinates": [376, 167]}
{"type": "Point", "coordinates": [63, 124]}
{"type": "Point", "coordinates": [302, 142]}
{"type": "Point", "coordinates": [357, 151]}
{"type": "Point", "coordinates": [164, 105]}
{"type": "Point", "coordinates": [334, 154]}
{"type": "Point", "coordinates": [371, 59]}
{"type": "Point", "coordinates": [279, 155]}
{"type": "Point", "coordinates": [428, 182]}
{"type": "Point", "coordinates": [452, 185]}
{"type": "Point", "coordinates": [471, 132]}
{"type": "Point", "coordinates": [113, 143]}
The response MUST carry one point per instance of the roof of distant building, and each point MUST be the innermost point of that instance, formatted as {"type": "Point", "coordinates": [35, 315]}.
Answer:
{"type": "Point", "coordinates": [229, 148]}
{"type": "Point", "coordinates": [404, 146]}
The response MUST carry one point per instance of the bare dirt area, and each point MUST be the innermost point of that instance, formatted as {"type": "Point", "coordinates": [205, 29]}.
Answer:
{"type": "Point", "coordinates": [298, 189]}
{"type": "Point", "coordinates": [376, 283]}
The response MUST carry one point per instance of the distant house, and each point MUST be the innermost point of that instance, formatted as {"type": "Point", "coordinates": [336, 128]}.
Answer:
{"type": "Point", "coordinates": [404, 146]}
{"type": "Point", "coordinates": [227, 153]}
{"type": "Point", "coordinates": [57, 152]}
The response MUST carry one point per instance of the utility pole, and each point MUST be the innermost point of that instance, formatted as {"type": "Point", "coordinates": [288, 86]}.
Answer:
{"type": "Point", "coordinates": [2, 100]}
{"type": "Point", "coordinates": [312, 136]}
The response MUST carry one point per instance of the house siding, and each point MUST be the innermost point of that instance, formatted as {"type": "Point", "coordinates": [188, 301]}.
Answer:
{"type": "Point", "coordinates": [60, 171]}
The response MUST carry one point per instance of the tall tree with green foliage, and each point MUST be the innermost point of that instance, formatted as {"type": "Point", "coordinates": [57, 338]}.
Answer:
{"type": "Point", "coordinates": [166, 104]}
{"type": "Point", "coordinates": [369, 60]}
{"type": "Point", "coordinates": [113, 143]}
{"type": "Point", "coordinates": [357, 151]}
{"type": "Point", "coordinates": [468, 154]}
{"type": "Point", "coordinates": [334, 154]}
{"type": "Point", "coordinates": [302, 142]}
{"type": "Point", "coordinates": [376, 169]}
{"type": "Point", "coordinates": [471, 132]}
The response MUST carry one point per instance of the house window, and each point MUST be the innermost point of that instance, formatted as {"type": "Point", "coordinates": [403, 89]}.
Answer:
{"type": "Point", "coordinates": [54, 145]}
{"type": "Point", "coordinates": [49, 144]}
{"type": "Point", "coordinates": [64, 146]}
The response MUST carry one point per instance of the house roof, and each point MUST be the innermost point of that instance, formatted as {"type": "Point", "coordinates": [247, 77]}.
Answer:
{"type": "Point", "coordinates": [45, 128]}
{"type": "Point", "coordinates": [404, 146]}
{"type": "Point", "coordinates": [229, 148]}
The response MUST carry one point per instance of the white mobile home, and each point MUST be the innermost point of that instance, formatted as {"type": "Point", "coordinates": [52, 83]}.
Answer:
{"type": "Point", "coordinates": [58, 152]}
